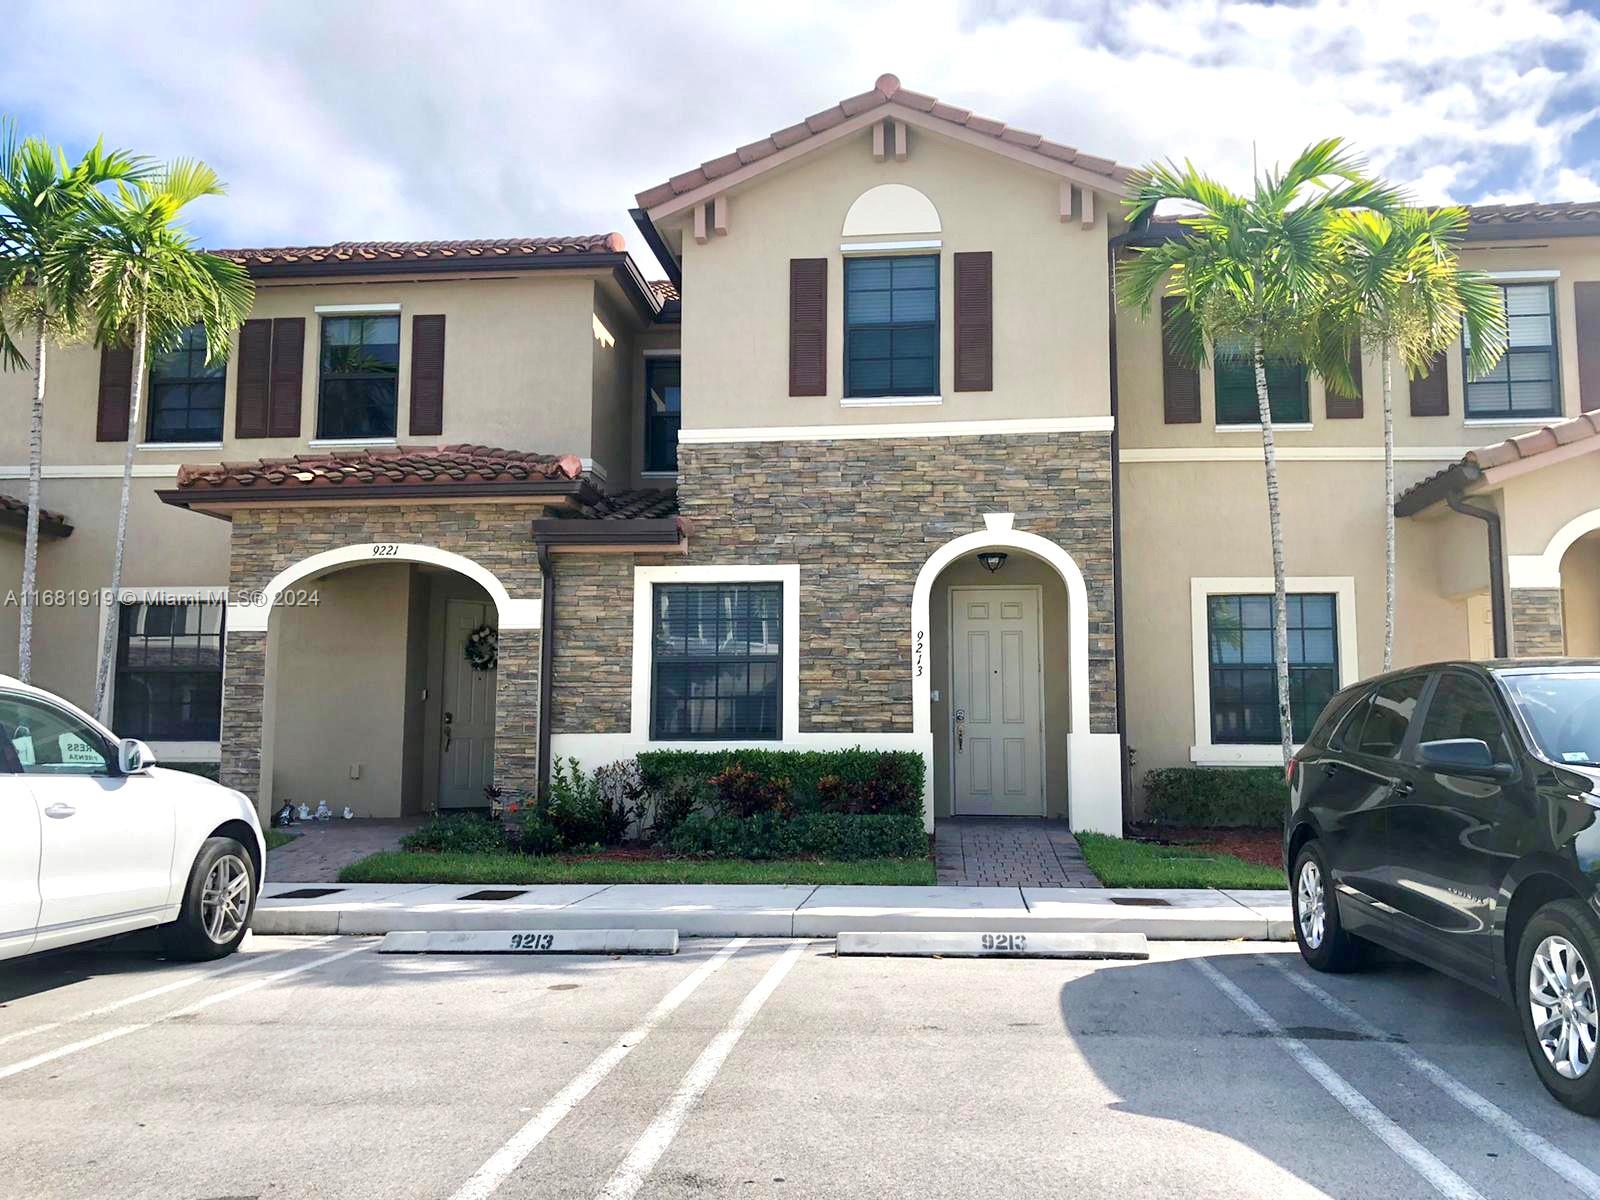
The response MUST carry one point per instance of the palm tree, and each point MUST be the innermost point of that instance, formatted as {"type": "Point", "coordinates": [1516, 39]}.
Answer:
{"type": "Point", "coordinates": [1402, 288]}
{"type": "Point", "coordinates": [1257, 269]}
{"type": "Point", "coordinates": [146, 281]}
{"type": "Point", "coordinates": [42, 205]}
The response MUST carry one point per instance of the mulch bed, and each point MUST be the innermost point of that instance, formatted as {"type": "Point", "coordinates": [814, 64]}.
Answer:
{"type": "Point", "coordinates": [1264, 847]}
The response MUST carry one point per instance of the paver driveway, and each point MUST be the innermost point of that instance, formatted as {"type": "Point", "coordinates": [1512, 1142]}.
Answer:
{"type": "Point", "coordinates": [316, 1068]}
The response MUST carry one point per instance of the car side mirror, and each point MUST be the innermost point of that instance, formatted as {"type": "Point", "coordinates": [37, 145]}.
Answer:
{"type": "Point", "coordinates": [1463, 756]}
{"type": "Point", "coordinates": [133, 756]}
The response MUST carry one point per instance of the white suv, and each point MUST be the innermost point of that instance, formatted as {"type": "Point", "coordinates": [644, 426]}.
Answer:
{"type": "Point", "coordinates": [95, 840]}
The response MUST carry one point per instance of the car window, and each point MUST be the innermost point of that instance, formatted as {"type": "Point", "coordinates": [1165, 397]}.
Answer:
{"type": "Point", "coordinates": [1463, 708]}
{"type": "Point", "coordinates": [46, 740]}
{"type": "Point", "coordinates": [1348, 733]}
{"type": "Point", "coordinates": [1389, 716]}
{"type": "Point", "coordinates": [1562, 710]}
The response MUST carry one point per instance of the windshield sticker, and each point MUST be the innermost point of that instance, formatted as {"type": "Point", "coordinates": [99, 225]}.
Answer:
{"type": "Point", "coordinates": [1576, 756]}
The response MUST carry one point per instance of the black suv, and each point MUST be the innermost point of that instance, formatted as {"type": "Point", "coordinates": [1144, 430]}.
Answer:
{"type": "Point", "coordinates": [1448, 812]}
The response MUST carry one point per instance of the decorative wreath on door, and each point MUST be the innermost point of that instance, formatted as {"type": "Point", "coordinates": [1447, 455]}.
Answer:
{"type": "Point", "coordinates": [483, 648]}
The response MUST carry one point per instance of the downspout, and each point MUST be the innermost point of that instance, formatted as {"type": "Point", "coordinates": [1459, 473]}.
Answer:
{"type": "Point", "coordinates": [1497, 569]}
{"type": "Point", "coordinates": [547, 631]}
{"type": "Point", "coordinates": [1125, 760]}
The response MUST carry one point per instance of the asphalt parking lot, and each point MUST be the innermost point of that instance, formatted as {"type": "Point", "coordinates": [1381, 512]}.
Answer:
{"type": "Point", "coordinates": [316, 1068]}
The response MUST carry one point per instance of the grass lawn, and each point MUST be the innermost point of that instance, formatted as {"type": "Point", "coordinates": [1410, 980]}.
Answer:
{"type": "Point", "coordinates": [1130, 864]}
{"type": "Point", "coordinates": [399, 866]}
{"type": "Point", "coordinates": [276, 838]}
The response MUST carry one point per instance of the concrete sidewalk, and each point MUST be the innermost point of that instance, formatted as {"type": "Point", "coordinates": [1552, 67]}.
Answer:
{"type": "Point", "coordinates": [787, 910]}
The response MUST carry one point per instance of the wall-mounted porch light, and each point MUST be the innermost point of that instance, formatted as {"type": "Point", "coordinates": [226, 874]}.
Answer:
{"type": "Point", "coordinates": [992, 560]}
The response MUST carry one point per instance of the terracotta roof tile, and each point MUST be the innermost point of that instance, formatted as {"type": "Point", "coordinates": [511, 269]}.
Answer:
{"type": "Point", "coordinates": [644, 504]}
{"type": "Point", "coordinates": [357, 253]}
{"type": "Point", "coordinates": [886, 92]}
{"type": "Point", "coordinates": [664, 290]}
{"type": "Point", "coordinates": [1532, 219]}
{"type": "Point", "coordinates": [1516, 449]}
{"type": "Point", "coordinates": [14, 511]}
{"type": "Point", "coordinates": [444, 466]}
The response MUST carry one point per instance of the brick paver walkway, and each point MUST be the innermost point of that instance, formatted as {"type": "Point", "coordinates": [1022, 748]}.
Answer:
{"type": "Point", "coordinates": [1008, 852]}
{"type": "Point", "coordinates": [320, 848]}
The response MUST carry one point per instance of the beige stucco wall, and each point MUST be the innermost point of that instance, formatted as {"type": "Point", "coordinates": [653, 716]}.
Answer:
{"type": "Point", "coordinates": [1580, 597]}
{"type": "Point", "coordinates": [1536, 505]}
{"type": "Point", "coordinates": [612, 360]}
{"type": "Point", "coordinates": [1049, 289]}
{"type": "Point", "coordinates": [1020, 570]}
{"type": "Point", "coordinates": [1182, 521]}
{"type": "Point", "coordinates": [340, 670]}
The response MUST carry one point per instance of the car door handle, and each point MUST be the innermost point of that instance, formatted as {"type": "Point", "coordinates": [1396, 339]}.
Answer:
{"type": "Point", "coordinates": [59, 810]}
{"type": "Point", "coordinates": [1399, 788]}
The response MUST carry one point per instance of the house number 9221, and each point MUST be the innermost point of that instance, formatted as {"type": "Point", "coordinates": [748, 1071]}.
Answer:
{"type": "Point", "coordinates": [1005, 942]}
{"type": "Point", "coordinates": [386, 550]}
{"type": "Point", "coordinates": [532, 941]}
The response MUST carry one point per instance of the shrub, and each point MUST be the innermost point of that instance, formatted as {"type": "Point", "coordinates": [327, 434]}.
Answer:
{"type": "Point", "coordinates": [620, 793]}
{"type": "Point", "coordinates": [744, 793]}
{"type": "Point", "coordinates": [573, 808]}
{"type": "Point", "coordinates": [805, 835]}
{"type": "Point", "coordinates": [674, 801]}
{"type": "Point", "coordinates": [457, 833]}
{"type": "Point", "coordinates": [1256, 797]}
{"type": "Point", "coordinates": [536, 835]}
{"type": "Point", "coordinates": [898, 774]}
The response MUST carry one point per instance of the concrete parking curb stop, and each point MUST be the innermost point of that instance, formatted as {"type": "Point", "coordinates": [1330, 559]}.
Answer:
{"type": "Point", "coordinates": [779, 910]}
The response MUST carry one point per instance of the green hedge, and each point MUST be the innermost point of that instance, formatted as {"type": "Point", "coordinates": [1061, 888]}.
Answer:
{"type": "Point", "coordinates": [806, 835]}
{"type": "Point", "coordinates": [1218, 797]}
{"type": "Point", "coordinates": [802, 768]}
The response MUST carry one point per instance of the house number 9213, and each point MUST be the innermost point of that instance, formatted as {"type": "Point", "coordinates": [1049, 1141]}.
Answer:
{"type": "Point", "coordinates": [917, 652]}
{"type": "Point", "coordinates": [532, 941]}
{"type": "Point", "coordinates": [1005, 942]}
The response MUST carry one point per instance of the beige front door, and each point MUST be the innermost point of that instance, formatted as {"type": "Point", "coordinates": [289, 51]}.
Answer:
{"type": "Point", "coordinates": [466, 759]}
{"type": "Point", "coordinates": [996, 702]}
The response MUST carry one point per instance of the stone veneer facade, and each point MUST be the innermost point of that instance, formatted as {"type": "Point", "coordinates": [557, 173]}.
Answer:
{"type": "Point", "coordinates": [860, 517]}
{"type": "Point", "coordinates": [269, 539]}
{"type": "Point", "coordinates": [1536, 625]}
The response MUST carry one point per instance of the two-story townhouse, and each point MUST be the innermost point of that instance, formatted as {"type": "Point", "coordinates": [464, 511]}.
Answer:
{"type": "Point", "coordinates": [934, 490]}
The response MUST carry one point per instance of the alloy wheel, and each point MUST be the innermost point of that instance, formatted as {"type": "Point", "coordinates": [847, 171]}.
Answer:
{"type": "Point", "coordinates": [1562, 1001]}
{"type": "Point", "coordinates": [1313, 916]}
{"type": "Point", "coordinates": [225, 899]}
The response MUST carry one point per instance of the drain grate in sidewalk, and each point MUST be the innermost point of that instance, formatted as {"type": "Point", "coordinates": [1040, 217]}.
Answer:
{"type": "Point", "coordinates": [1142, 901]}
{"type": "Point", "coordinates": [495, 894]}
{"type": "Point", "coordinates": [305, 894]}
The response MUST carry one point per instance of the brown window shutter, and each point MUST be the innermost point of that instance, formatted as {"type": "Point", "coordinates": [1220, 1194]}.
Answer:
{"type": "Point", "coordinates": [808, 327]}
{"type": "Point", "coordinates": [1430, 393]}
{"type": "Point", "coordinates": [1344, 408]}
{"type": "Point", "coordinates": [1180, 381]}
{"type": "Point", "coordinates": [1586, 305]}
{"type": "Point", "coordinates": [288, 365]}
{"type": "Point", "coordinates": [974, 292]}
{"type": "Point", "coordinates": [253, 373]}
{"type": "Point", "coordinates": [116, 368]}
{"type": "Point", "coordinates": [427, 375]}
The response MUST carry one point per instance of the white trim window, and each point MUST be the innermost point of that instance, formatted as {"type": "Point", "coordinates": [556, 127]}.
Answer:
{"type": "Point", "coordinates": [714, 653]}
{"type": "Point", "coordinates": [1235, 673]}
{"type": "Point", "coordinates": [167, 682]}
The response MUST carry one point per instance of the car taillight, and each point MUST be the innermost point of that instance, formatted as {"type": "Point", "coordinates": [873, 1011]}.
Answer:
{"type": "Point", "coordinates": [1288, 769]}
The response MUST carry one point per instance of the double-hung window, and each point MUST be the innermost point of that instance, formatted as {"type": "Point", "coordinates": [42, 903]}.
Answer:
{"type": "Point", "coordinates": [663, 412]}
{"type": "Point", "coordinates": [1524, 383]}
{"type": "Point", "coordinates": [1287, 394]}
{"type": "Point", "coordinates": [717, 661]}
{"type": "Point", "coordinates": [186, 392]}
{"type": "Point", "coordinates": [359, 377]}
{"type": "Point", "coordinates": [1243, 675]}
{"type": "Point", "coordinates": [891, 326]}
{"type": "Point", "coordinates": [169, 671]}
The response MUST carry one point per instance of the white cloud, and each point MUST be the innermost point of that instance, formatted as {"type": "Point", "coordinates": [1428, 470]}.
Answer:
{"type": "Point", "coordinates": [409, 120]}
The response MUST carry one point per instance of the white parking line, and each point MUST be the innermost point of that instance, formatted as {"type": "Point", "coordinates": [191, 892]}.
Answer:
{"type": "Point", "coordinates": [28, 1064]}
{"type": "Point", "coordinates": [1563, 1164]}
{"type": "Point", "coordinates": [628, 1178]}
{"type": "Point", "coordinates": [238, 964]}
{"type": "Point", "coordinates": [509, 1157]}
{"type": "Point", "coordinates": [1443, 1180]}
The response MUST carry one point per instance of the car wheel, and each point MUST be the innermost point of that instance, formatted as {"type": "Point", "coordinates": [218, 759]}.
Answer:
{"type": "Point", "coordinates": [1555, 993]}
{"type": "Point", "coordinates": [1323, 942]}
{"type": "Point", "coordinates": [217, 903]}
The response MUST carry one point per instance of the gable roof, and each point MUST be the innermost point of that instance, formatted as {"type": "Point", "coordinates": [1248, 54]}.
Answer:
{"type": "Point", "coordinates": [1570, 218]}
{"type": "Point", "coordinates": [356, 255]}
{"type": "Point", "coordinates": [886, 93]}
{"type": "Point", "coordinates": [1548, 444]}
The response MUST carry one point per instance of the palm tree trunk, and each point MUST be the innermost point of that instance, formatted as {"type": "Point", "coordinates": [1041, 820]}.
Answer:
{"type": "Point", "coordinates": [1280, 591]}
{"type": "Point", "coordinates": [1388, 508]}
{"type": "Point", "coordinates": [108, 639]}
{"type": "Point", "coordinates": [30, 550]}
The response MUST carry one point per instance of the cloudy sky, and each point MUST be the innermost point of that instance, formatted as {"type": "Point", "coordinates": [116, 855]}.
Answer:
{"type": "Point", "coordinates": [437, 119]}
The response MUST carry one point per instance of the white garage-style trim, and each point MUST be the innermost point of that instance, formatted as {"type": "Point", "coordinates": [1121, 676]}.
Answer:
{"type": "Point", "coordinates": [250, 615]}
{"type": "Point", "coordinates": [1204, 752]}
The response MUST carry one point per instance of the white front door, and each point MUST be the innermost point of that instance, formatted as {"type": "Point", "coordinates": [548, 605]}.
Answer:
{"type": "Point", "coordinates": [466, 761]}
{"type": "Point", "coordinates": [19, 858]}
{"type": "Point", "coordinates": [996, 702]}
